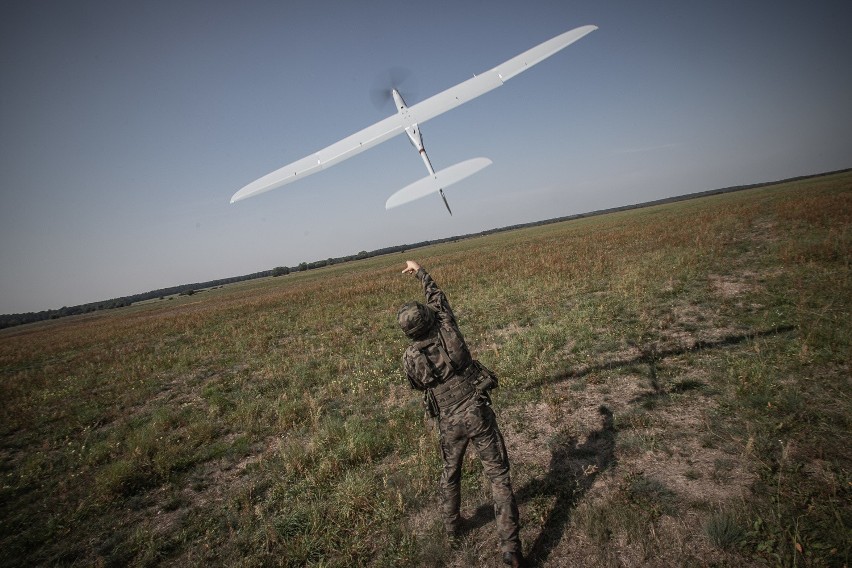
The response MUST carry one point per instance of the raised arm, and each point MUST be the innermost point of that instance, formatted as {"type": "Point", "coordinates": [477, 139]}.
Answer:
{"type": "Point", "coordinates": [435, 297]}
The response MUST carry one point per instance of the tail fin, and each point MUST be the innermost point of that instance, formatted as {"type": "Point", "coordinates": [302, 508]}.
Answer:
{"type": "Point", "coordinates": [437, 182]}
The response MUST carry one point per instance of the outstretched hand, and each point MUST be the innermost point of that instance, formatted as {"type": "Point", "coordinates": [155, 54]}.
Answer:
{"type": "Point", "coordinates": [411, 267]}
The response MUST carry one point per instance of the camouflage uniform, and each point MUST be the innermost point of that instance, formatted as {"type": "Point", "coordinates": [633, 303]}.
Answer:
{"type": "Point", "coordinates": [455, 388]}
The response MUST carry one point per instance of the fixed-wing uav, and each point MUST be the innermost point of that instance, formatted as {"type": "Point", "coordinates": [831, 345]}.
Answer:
{"type": "Point", "coordinates": [408, 120]}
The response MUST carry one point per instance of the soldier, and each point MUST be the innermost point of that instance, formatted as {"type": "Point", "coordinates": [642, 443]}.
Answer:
{"type": "Point", "coordinates": [455, 388]}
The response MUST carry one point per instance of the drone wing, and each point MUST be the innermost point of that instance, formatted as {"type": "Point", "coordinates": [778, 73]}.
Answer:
{"type": "Point", "coordinates": [419, 113]}
{"type": "Point", "coordinates": [493, 78]}
{"type": "Point", "coordinates": [327, 157]}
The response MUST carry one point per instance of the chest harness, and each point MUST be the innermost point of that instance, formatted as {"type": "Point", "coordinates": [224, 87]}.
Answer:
{"type": "Point", "coordinates": [450, 382]}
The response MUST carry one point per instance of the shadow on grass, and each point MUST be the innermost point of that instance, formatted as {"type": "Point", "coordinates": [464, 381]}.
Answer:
{"type": "Point", "coordinates": [572, 471]}
{"type": "Point", "coordinates": [651, 354]}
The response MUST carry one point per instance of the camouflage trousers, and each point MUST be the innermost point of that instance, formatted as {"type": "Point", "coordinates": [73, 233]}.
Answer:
{"type": "Point", "coordinates": [476, 423]}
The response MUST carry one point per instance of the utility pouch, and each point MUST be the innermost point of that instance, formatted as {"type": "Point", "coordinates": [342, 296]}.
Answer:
{"type": "Point", "coordinates": [430, 403]}
{"type": "Point", "coordinates": [482, 378]}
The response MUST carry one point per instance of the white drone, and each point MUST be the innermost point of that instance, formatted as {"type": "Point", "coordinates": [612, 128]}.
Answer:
{"type": "Point", "coordinates": [407, 120]}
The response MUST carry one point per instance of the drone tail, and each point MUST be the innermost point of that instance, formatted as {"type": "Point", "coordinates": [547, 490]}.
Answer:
{"type": "Point", "coordinates": [437, 183]}
{"type": "Point", "coordinates": [447, 205]}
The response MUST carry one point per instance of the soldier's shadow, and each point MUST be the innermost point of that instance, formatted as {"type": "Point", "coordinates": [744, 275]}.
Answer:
{"type": "Point", "coordinates": [571, 473]}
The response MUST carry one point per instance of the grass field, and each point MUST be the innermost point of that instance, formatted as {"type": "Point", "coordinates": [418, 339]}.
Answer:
{"type": "Point", "coordinates": [675, 391]}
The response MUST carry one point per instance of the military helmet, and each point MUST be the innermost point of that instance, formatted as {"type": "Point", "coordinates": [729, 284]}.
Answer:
{"type": "Point", "coordinates": [415, 319]}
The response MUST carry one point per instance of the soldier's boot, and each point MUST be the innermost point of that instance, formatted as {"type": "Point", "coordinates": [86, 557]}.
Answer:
{"type": "Point", "coordinates": [454, 540]}
{"type": "Point", "coordinates": [455, 532]}
{"type": "Point", "coordinates": [513, 559]}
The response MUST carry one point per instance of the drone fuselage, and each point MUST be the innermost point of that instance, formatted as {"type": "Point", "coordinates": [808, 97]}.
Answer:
{"type": "Point", "coordinates": [412, 130]}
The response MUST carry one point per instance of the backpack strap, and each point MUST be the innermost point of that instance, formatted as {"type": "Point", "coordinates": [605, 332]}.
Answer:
{"type": "Point", "coordinates": [444, 392]}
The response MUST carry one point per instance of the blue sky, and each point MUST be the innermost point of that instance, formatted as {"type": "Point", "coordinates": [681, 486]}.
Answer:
{"type": "Point", "coordinates": [126, 127]}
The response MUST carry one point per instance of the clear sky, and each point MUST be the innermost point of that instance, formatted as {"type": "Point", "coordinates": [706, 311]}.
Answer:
{"type": "Point", "coordinates": [125, 127]}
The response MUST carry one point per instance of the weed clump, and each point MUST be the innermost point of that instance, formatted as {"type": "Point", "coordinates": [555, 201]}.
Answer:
{"type": "Point", "coordinates": [723, 530]}
{"type": "Point", "coordinates": [652, 494]}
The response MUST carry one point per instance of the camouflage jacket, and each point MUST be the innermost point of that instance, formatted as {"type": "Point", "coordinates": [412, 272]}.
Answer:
{"type": "Point", "coordinates": [439, 360]}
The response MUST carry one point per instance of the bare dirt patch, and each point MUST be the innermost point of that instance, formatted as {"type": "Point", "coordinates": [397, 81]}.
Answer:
{"type": "Point", "coordinates": [732, 286]}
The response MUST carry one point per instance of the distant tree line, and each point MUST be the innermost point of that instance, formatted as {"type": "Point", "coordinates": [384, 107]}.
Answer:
{"type": "Point", "coordinates": [10, 320]}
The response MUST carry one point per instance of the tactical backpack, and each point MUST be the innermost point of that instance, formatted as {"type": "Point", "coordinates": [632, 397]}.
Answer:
{"type": "Point", "coordinates": [455, 375]}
